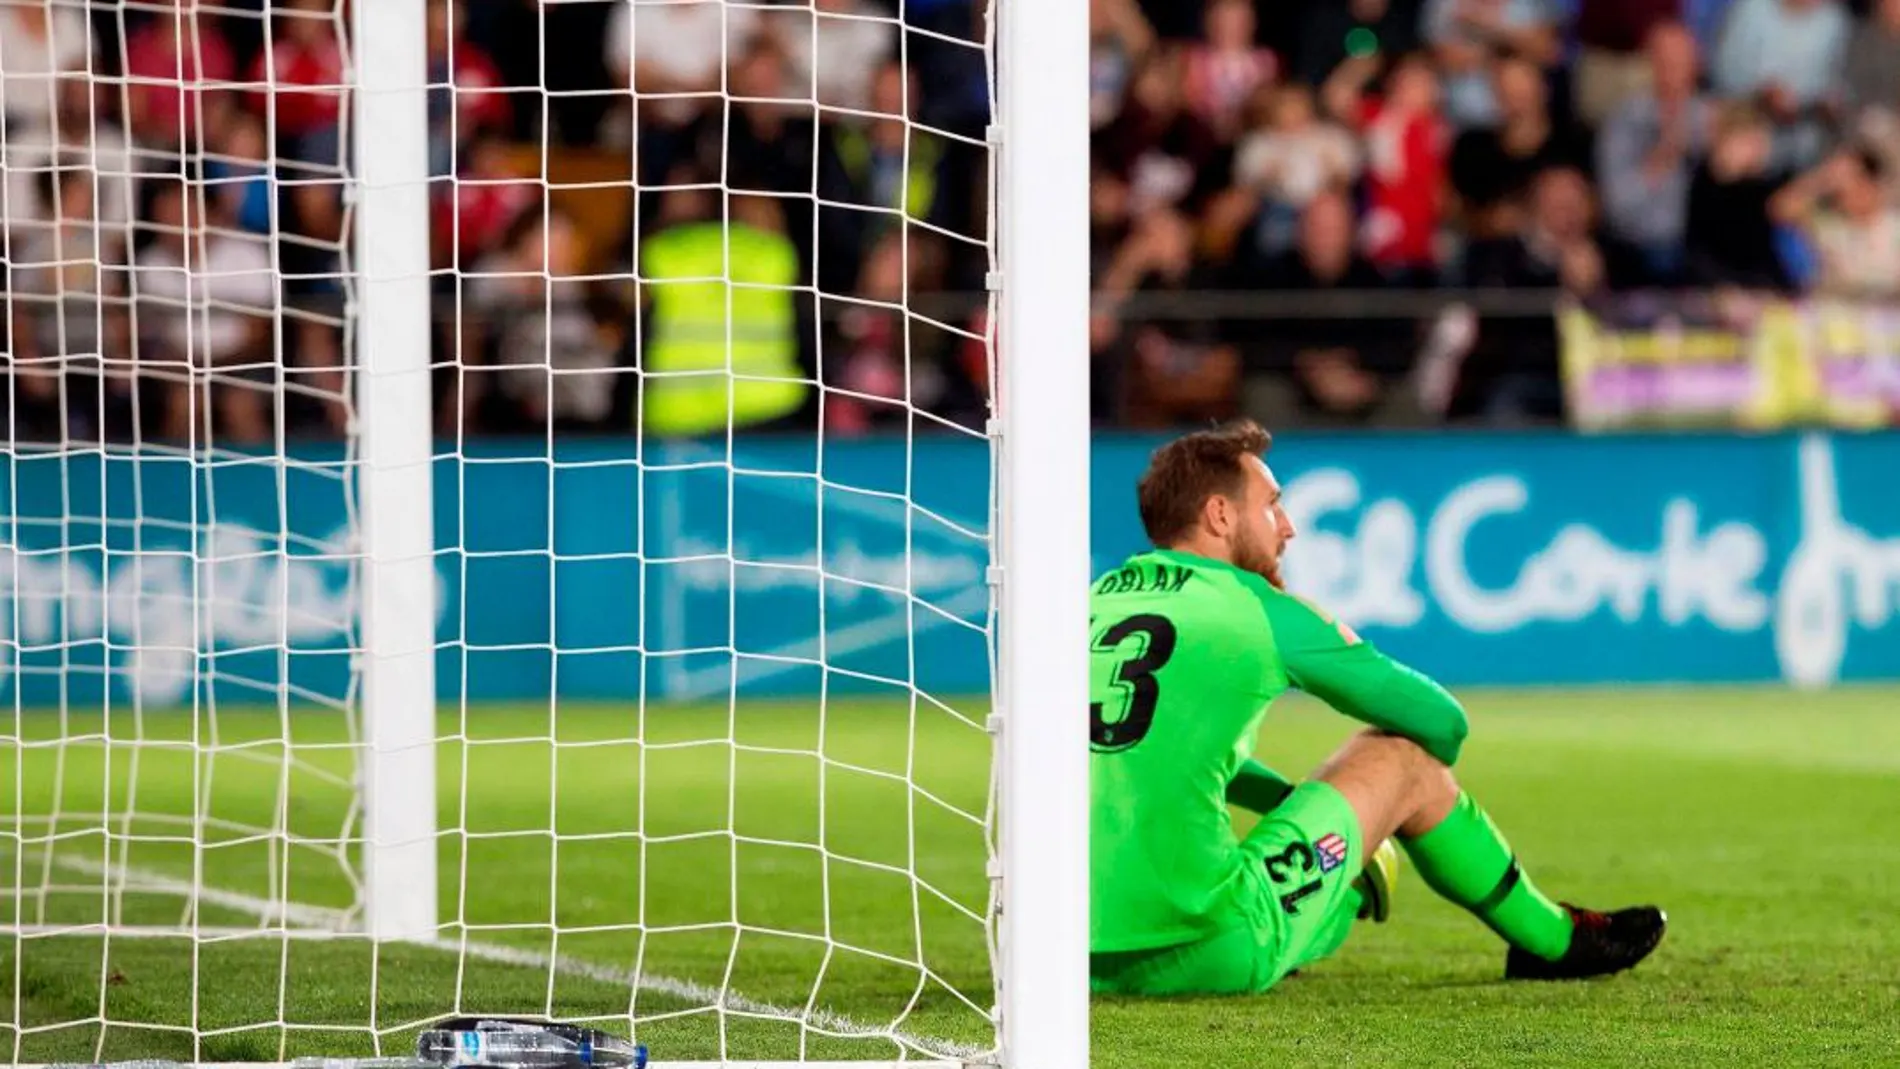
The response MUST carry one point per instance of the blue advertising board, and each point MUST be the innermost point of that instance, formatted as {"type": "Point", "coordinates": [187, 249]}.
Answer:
{"type": "Point", "coordinates": [1545, 558]}
{"type": "Point", "coordinates": [598, 572]}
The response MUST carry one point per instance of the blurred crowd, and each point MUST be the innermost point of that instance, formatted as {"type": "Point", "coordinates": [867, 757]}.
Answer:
{"type": "Point", "coordinates": [1311, 211]}
{"type": "Point", "coordinates": [1394, 193]}
{"type": "Point", "coordinates": [177, 223]}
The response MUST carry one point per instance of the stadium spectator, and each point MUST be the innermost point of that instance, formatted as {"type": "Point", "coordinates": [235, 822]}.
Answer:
{"type": "Point", "coordinates": [302, 72]}
{"type": "Point", "coordinates": [204, 295]}
{"type": "Point", "coordinates": [34, 409]}
{"type": "Point", "coordinates": [66, 286]}
{"type": "Point", "coordinates": [465, 95]}
{"type": "Point", "coordinates": [532, 348]}
{"type": "Point", "coordinates": [1290, 158]}
{"type": "Point", "coordinates": [1467, 35]}
{"type": "Point", "coordinates": [309, 260]}
{"type": "Point", "coordinates": [1207, 172]}
{"type": "Point", "coordinates": [1511, 373]}
{"type": "Point", "coordinates": [1172, 20]}
{"type": "Point", "coordinates": [1169, 157]}
{"type": "Point", "coordinates": [1119, 40]}
{"type": "Point", "coordinates": [1175, 369]}
{"type": "Point", "coordinates": [673, 55]}
{"type": "Point", "coordinates": [1492, 166]}
{"type": "Point", "coordinates": [472, 213]}
{"type": "Point", "coordinates": [1222, 72]}
{"type": "Point", "coordinates": [1852, 229]}
{"type": "Point", "coordinates": [1614, 60]}
{"type": "Point", "coordinates": [955, 74]}
{"type": "Point", "coordinates": [1785, 56]}
{"type": "Point", "coordinates": [1558, 245]}
{"type": "Point", "coordinates": [833, 49]}
{"type": "Point", "coordinates": [1109, 219]}
{"type": "Point", "coordinates": [1647, 152]}
{"type": "Point", "coordinates": [1332, 33]}
{"type": "Point", "coordinates": [1728, 238]}
{"type": "Point", "coordinates": [1872, 75]}
{"type": "Point", "coordinates": [179, 65]}
{"type": "Point", "coordinates": [41, 45]}
{"type": "Point", "coordinates": [238, 173]}
{"type": "Point", "coordinates": [1343, 368]}
{"type": "Point", "coordinates": [763, 142]}
{"type": "Point", "coordinates": [1871, 85]}
{"type": "Point", "coordinates": [870, 360]}
{"type": "Point", "coordinates": [879, 376]}
{"type": "Point", "coordinates": [1705, 19]}
{"type": "Point", "coordinates": [874, 173]}
{"type": "Point", "coordinates": [1406, 143]}
{"type": "Point", "coordinates": [716, 355]}
{"type": "Point", "coordinates": [86, 134]}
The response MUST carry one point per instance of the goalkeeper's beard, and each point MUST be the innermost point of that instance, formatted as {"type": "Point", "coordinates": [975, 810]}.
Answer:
{"type": "Point", "coordinates": [1251, 554]}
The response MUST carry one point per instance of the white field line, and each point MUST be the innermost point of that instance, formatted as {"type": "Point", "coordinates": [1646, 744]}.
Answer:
{"type": "Point", "coordinates": [150, 882]}
{"type": "Point", "coordinates": [331, 921]}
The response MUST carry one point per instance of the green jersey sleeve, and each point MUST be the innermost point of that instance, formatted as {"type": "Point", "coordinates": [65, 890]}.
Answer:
{"type": "Point", "coordinates": [1325, 659]}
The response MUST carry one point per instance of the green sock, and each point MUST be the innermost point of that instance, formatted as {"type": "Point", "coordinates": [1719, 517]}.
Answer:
{"type": "Point", "coordinates": [1467, 862]}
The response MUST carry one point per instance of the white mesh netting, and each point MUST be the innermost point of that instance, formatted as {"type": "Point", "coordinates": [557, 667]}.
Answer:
{"type": "Point", "coordinates": [711, 511]}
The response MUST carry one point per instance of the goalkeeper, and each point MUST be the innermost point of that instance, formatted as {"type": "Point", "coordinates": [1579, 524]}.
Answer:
{"type": "Point", "coordinates": [1190, 642]}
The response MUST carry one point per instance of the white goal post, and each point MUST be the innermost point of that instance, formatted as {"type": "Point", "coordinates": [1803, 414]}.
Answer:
{"type": "Point", "coordinates": [395, 489]}
{"type": "Point", "coordinates": [253, 802]}
{"type": "Point", "coordinates": [1044, 529]}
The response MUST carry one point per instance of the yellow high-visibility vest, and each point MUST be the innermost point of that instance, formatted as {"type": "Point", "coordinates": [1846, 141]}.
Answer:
{"type": "Point", "coordinates": [920, 181]}
{"type": "Point", "coordinates": [722, 347]}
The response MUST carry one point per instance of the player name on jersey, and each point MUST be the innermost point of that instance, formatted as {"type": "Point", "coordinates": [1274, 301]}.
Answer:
{"type": "Point", "coordinates": [1146, 577]}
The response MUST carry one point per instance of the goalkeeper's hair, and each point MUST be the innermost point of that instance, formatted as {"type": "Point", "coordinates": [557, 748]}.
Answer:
{"type": "Point", "coordinates": [1183, 474]}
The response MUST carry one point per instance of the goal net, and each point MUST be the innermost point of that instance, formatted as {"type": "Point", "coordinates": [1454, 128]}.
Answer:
{"type": "Point", "coordinates": [500, 520]}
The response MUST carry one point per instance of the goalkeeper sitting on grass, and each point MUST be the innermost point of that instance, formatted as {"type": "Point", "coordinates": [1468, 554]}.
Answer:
{"type": "Point", "coordinates": [1190, 642]}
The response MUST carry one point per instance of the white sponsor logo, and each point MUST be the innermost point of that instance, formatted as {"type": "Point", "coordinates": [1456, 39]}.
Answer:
{"type": "Point", "coordinates": [1371, 562]}
{"type": "Point", "coordinates": [160, 608]}
{"type": "Point", "coordinates": [1358, 559]}
{"type": "Point", "coordinates": [1837, 574]}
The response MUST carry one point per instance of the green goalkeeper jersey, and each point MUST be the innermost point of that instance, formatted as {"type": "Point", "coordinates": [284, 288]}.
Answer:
{"type": "Point", "coordinates": [1186, 653]}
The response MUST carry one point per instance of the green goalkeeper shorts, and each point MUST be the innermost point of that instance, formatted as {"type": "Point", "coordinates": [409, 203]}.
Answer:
{"type": "Point", "coordinates": [1301, 861]}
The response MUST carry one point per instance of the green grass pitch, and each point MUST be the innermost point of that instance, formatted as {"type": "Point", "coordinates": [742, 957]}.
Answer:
{"type": "Point", "coordinates": [1761, 819]}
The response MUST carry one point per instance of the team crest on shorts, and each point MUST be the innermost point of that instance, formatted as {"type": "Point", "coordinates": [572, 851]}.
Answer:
{"type": "Point", "coordinates": [1331, 851]}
